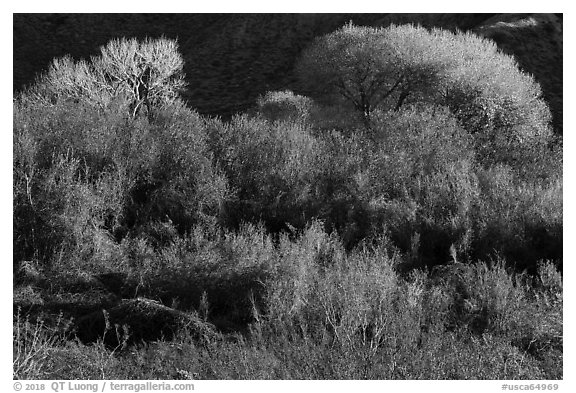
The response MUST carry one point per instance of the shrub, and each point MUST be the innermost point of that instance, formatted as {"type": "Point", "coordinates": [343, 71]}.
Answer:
{"type": "Point", "coordinates": [309, 309]}
{"type": "Point", "coordinates": [490, 299]}
{"type": "Point", "coordinates": [521, 219]}
{"type": "Point", "coordinates": [415, 142]}
{"type": "Point", "coordinates": [271, 167]}
{"type": "Point", "coordinates": [285, 106]}
{"type": "Point", "coordinates": [85, 171]}
{"type": "Point", "coordinates": [419, 181]}
{"type": "Point", "coordinates": [221, 274]}
{"type": "Point", "coordinates": [33, 345]}
{"type": "Point", "coordinates": [57, 210]}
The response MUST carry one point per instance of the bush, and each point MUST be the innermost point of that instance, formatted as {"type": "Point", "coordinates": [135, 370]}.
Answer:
{"type": "Point", "coordinates": [416, 176]}
{"type": "Point", "coordinates": [309, 309]}
{"type": "Point", "coordinates": [87, 175]}
{"type": "Point", "coordinates": [277, 170]}
{"type": "Point", "coordinates": [220, 274]}
{"type": "Point", "coordinates": [33, 345]}
{"type": "Point", "coordinates": [419, 183]}
{"type": "Point", "coordinates": [521, 219]}
{"type": "Point", "coordinates": [412, 143]}
{"type": "Point", "coordinates": [284, 106]}
{"type": "Point", "coordinates": [65, 209]}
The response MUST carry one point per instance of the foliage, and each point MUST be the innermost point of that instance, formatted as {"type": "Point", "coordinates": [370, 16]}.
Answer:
{"type": "Point", "coordinates": [280, 172]}
{"type": "Point", "coordinates": [493, 99]}
{"type": "Point", "coordinates": [232, 59]}
{"type": "Point", "coordinates": [34, 343]}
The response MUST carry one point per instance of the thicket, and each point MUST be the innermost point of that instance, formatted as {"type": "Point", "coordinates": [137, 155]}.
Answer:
{"type": "Point", "coordinates": [400, 203]}
{"type": "Point", "coordinates": [102, 152]}
{"type": "Point", "coordinates": [316, 311]}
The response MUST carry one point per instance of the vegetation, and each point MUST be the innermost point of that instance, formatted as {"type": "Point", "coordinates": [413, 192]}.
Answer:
{"type": "Point", "coordinates": [421, 239]}
{"type": "Point", "coordinates": [127, 72]}
{"type": "Point", "coordinates": [398, 66]}
{"type": "Point", "coordinates": [373, 68]}
{"type": "Point", "coordinates": [232, 59]}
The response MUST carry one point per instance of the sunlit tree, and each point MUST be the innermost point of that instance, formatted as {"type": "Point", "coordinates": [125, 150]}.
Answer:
{"type": "Point", "coordinates": [130, 73]}
{"type": "Point", "coordinates": [389, 68]}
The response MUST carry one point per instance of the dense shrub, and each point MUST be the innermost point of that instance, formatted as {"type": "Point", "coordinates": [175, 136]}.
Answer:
{"type": "Point", "coordinates": [415, 142]}
{"type": "Point", "coordinates": [85, 171]}
{"type": "Point", "coordinates": [309, 309]}
{"type": "Point", "coordinates": [281, 173]}
{"type": "Point", "coordinates": [521, 219]}
{"type": "Point", "coordinates": [415, 174]}
{"type": "Point", "coordinates": [284, 105]}
{"type": "Point", "coordinates": [63, 199]}
{"type": "Point", "coordinates": [418, 181]}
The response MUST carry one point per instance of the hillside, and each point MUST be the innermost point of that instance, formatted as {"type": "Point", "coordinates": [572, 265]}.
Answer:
{"type": "Point", "coordinates": [231, 59]}
{"type": "Point", "coordinates": [536, 41]}
{"type": "Point", "coordinates": [394, 212]}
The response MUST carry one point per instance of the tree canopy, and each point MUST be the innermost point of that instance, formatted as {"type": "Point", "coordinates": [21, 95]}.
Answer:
{"type": "Point", "coordinates": [369, 69]}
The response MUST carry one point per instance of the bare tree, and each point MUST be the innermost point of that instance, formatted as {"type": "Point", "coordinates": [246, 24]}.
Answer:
{"type": "Point", "coordinates": [140, 74]}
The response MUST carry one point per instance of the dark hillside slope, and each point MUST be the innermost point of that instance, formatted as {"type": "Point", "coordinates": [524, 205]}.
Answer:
{"type": "Point", "coordinates": [233, 58]}
{"type": "Point", "coordinates": [244, 56]}
{"type": "Point", "coordinates": [536, 42]}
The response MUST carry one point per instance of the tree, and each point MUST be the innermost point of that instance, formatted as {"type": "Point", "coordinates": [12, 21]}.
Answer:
{"type": "Point", "coordinates": [389, 68]}
{"type": "Point", "coordinates": [128, 72]}
{"type": "Point", "coordinates": [372, 68]}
